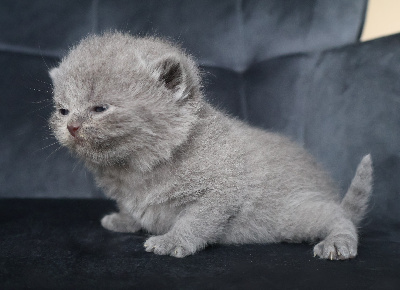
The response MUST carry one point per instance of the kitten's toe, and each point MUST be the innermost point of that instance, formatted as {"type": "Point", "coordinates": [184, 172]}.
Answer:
{"type": "Point", "coordinates": [341, 247]}
{"type": "Point", "coordinates": [158, 245]}
{"type": "Point", "coordinates": [180, 252]}
{"type": "Point", "coordinates": [343, 251]}
{"type": "Point", "coordinates": [325, 251]}
{"type": "Point", "coordinates": [164, 245]}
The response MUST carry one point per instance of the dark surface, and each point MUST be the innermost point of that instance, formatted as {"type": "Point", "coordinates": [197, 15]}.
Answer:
{"type": "Point", "coordinates": [60, 244]}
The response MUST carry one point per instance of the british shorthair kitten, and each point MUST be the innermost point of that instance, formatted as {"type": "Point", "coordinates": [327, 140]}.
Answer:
{"type": "Point", "coordinates": [132, 109]}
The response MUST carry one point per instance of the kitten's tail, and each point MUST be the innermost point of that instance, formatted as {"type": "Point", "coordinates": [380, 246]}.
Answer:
{"type": "Point", "coordinates": [355, 202]}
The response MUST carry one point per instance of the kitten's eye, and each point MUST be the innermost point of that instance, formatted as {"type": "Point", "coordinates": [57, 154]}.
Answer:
{"type": "Point", "coordinates": [64, 112]}
{"type": "Point", "coordinates": [99, 109]}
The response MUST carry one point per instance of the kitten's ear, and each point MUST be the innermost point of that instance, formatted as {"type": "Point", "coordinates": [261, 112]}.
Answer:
{"type": "Point", "coordinates": [170, 72]}
{"type": "Point", "coordinates": [54, 73]}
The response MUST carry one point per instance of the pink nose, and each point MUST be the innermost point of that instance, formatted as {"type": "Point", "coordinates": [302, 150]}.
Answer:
{"type": "Point", "coordinates": [72, 129]}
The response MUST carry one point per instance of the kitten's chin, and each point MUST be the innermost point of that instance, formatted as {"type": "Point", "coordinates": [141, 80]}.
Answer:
{"type": "Point", "coordinates": [96, 159]}
{"type": "Point", "coordinates": [100, 157]}
{"type": "Point", "coordinates": [96, 152]}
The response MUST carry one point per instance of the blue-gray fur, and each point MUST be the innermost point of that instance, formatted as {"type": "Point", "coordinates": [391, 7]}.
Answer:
{"type": "Point", "coordinates": [182, 170]}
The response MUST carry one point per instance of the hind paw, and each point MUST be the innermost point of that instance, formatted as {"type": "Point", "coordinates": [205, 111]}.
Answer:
{"type": "Point", "coordinates": [339, 247]}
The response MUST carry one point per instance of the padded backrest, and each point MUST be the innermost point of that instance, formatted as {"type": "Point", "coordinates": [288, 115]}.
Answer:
{"type": "Point", "coordinates": [225, 33]}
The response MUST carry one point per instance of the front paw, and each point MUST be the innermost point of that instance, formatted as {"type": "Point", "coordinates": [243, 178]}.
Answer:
{"type": "Point", "coordinates": [167, 245]}
{"type": "Point", "coordinates": [119, 223]}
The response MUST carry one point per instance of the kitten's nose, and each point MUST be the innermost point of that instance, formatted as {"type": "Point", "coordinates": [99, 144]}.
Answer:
{"type": "Point", "coordinates": [72, 128]}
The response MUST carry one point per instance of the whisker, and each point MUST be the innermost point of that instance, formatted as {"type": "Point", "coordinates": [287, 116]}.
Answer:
{"type": "Point", "coordinates": [41, 91]}
{"type": "Point", "coordinates": [77, 162]}
{"type": "Point", "coordinates": [44, 118]}
{"type": "Point", "coordinates": [48, 130]}
{"type": "Point", "coordinates": [48, 138]}
{"type": "Point", "coordinates": [48, 69]}
{"type": "Point", "coordinates": [42, 101]}
{"type": "Point", "coordinates": [45, 147]}
{"type": "Point", "coordinates": [53, 152]}
{"type": "Point", "coordinates": [40, 81]}
{"type": "Point", "coordinates": [40, 108]}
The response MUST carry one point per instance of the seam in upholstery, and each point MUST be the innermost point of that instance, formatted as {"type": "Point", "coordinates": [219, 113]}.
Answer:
{"type": "Point", "coordinates": [308, 78]}
{"type": "Point", "coordinates": [12, 48]}
{"type": "Point", "coordinates": [362, 20]}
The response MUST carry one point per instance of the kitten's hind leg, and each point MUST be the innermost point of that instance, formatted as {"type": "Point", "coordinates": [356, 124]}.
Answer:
{"type": "Point", "coordinates": [120, 222]}
{"type": "Point", "coordinates": [312, 217]}
{"type": "Point", "coordinates": [340, 243]}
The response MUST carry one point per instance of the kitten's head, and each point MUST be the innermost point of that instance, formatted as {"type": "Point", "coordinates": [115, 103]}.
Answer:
{"type": "Point", "coordinates": [120, 99]}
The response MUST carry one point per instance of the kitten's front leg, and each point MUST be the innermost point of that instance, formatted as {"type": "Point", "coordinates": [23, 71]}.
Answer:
{"type": "Point", "coordinates": [118, 222]}
{"type": "Point", "coordinates": [121, 222]}
{"type": "Point", "coordinates": [201, 224]}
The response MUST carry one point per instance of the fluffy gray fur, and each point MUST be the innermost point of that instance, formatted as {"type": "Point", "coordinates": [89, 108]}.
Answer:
{"type": "Point", "coordinates": [185, 172]}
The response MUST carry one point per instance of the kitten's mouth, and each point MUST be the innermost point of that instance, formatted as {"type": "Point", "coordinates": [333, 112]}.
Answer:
{"type": "Point", "coordinates": [78, 140]}
{"type": "Point", "coordinates": [96, 148]}
{"type": "Point", "coordinates": [82, 140]}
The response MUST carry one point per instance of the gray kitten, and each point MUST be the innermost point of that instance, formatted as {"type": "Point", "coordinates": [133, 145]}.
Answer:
{"type": "Point", "coordinates": [132, 109]}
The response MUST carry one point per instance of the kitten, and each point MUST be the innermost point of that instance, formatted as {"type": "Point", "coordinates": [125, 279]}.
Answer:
{"type": "Point", "coordinates": [133, 110]}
